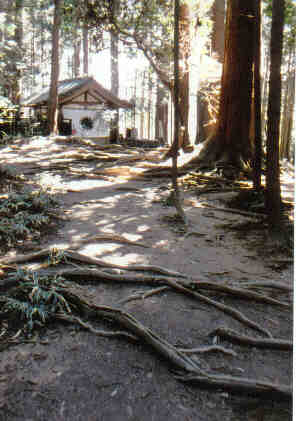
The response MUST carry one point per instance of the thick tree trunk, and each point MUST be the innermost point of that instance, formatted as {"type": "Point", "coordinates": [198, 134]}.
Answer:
{"type": "Point", "coordinates": [273, 191]}
{"type": "Point", "coordinates": [230, 144]}
{"type": "Point", "coordinates": [217, 39]}
{"type": "Point", "coordinates": [52, 115]}
{"type": "Point", "coordinates": [236, 91]}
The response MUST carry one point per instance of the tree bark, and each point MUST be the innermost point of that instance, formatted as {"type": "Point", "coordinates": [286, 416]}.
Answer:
{"type": "Point", "coordinates": [257, 163]}
{"type": "Point", "coordinates": [273, 190]}
{"type": "Point", "coordinates": [52, 116]}
{"type": "Point", "coordinates": [289, 104]}
{"type": "Point", "coordinates": [177, 115]}
{"type": "Point", "coordinates": [181, 102]}
{"type": "Point", "coordinates": [76, 49]}
{"type": "Point", "coordinates": [85, 43]}
{"type": "Point", "coordinates": [217, 39]}
{"type": "Point", "coordinates": [230, 144]}
{"type": "Point", "coordinates": [236, 91]}
{"type": "Point", "coordinates": [114, 56]}
{"type": "Point", "coordinates": [18, 37]}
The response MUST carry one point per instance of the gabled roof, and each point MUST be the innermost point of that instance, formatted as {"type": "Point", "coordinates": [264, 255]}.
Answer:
{"type": "Point", "coordinates": [70, 89]}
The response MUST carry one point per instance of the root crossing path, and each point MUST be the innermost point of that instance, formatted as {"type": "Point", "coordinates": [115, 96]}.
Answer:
{"type": "Point", "coordinates": [162, 321]}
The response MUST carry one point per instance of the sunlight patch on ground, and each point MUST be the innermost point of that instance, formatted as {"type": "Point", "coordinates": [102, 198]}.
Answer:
{"type": "Point", "coordinates": [100, 249]}
{"type": "Point", "coordinates": [162, 243]}
{"type": "Point", "coordinates": [143, 228]}
{"type": "Point", "coordinates": [125, 259]}
{"type": "Point", "coordinates": [80, 185]}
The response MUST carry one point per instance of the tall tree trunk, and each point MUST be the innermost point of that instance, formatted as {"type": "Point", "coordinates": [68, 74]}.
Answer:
{"type": "Point", "coordinates": [289, 104]}
{"type": "Point", "coordinates": [114, 56]}
{"type": "Point", "coordinates": [114, 82]}
{"type": "Point", "coordinates": [273, 190]}
{"type": "Point", "coordinates": [183, 92]}
{"type": "Point", "coordinates": [236, 90]}
{"type": "Point", "coordinates": [176, 195]}
{"type": "Point", "coordinates": [52, 114]}
{"type": "Point", "coordinates": [257, 162]}
{"type": "Point", "coordinates": [142, 107]}
{"type": "Point", "coordinates": [230, 144]}
{"type": "Point", "coordinates": [18, 37]}
{"type": "Point", "coordinates": [150, 85]}
{"type": "Point", "coordinates": [85, 47]}
{"type": "Point", "coordinates": [76, 49]}
{"type": "Point", "coordinates": [217, 39]}
{"type": "Point", "coordinates": [181, 102]}
{"type": "Point", "coordinates": [161, 114]}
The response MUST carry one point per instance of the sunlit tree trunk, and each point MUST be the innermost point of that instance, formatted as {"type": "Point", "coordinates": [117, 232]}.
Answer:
{"type": "Point", "coordinates": [288, 109]}
{"type": "Point", "coordinates": [273, 190]}
{"type": "Point", "coordinates": [182, 101]}
{"type": "Point", "coordinates": [230, 144]}
{"type": "Point", "coordinates": [114, 65]}
{"type": "Point", "coordinates": [236, 91]}
{"type": "Point", "coordinates": [257, 162]}
{"type": "Point", "coordinates": [176, 192]}
{"type": "Point", "coordinates": [52, 114]}
{"type": "Point", "coordinates": [114, 82]}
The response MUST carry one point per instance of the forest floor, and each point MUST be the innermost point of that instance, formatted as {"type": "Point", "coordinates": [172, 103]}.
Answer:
{"type": "Point", "coordinates": [110, 212]}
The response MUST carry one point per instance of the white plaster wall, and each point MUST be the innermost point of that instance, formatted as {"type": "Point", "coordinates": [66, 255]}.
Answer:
{"type": "Point", "coordinates": [100, 128]}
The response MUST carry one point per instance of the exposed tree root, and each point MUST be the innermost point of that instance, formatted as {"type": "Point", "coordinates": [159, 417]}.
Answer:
{"type": "Point", "coordinates": [210, 348]}
{"type": "Point", "coordinates": [110, 238]}
{"type": "Point", "coordinates": [103, 276]}
{"type": "Point", "coordinates": [266, 284]}
{"type": "Point", "coordinates": [224, 308]}
{"type": "Point", "coordinates": [126, 320]}
{"type": "Point", "coordinates": [241, 385]}
{"type": "Point", "coordinates": [238, 292]}
{"type": "Point", "coordinates": [271, 343]}
{"type": "Point", "coordinates": [180, 360]}
{"type": "Point", "coordinates": [136, 331]}
{"type": "Point", "coordinates": [98, 275]}
{"type": "Point", "coordinates": [91, 260]}
{"type": "Point", "coordinates": [237, 211]}
{"type": "Point", "coordinates": [107, 334]}
{"type": "Point", "coordinates": [143, 295]}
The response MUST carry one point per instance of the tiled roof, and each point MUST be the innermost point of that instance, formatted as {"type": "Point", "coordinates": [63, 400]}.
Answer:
{"type": "Point", "coordinates": [68, 87]}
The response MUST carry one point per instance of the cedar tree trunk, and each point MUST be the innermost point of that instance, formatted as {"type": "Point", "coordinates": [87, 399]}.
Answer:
{"type": "Point", "coordinates": [217, 41]}
{"type": "Point", "coordinates": [273, 190]}
{"type": "Point", "coordinates": [52, 114]}
{"type": "Point", "coordinates": [230, 144]}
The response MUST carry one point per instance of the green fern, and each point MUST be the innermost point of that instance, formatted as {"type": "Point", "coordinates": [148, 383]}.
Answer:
{"type": "Point", "coordinates": [35, 300]}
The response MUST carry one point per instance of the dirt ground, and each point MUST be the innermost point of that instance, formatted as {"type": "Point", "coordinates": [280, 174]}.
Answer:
{"type": "Point", "coordinates": [71, 374]}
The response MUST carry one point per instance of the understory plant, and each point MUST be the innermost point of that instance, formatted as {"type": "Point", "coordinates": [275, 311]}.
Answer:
{"type": "Point", "coordinates": [24, 215]}
{"type": "Point", "coordinates": [34, 301]}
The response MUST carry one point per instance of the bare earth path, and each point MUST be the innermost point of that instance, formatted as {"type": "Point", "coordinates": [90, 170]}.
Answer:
{"type": "Point", "coordinates": [71, 374]}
